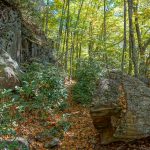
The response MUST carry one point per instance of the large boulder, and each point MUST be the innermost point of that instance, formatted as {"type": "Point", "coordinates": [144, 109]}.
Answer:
{"type": "Point", "coordinates": [9, 71]}
{"type": "Point", "coordinates": [121, 108]}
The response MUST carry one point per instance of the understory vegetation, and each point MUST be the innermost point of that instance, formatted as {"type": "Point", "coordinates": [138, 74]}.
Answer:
{"type": "Point", "coordinates": [42, 90]}
{"type": "Point", "coordinates": [86, 77]}
{"type": "Point", "coordinates": [85, 40]}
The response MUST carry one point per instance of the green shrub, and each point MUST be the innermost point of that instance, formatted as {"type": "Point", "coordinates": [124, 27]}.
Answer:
{"type": "Point", "coordinates": [86, 76]}
{"type": "Point", "coordinates": [43, 84]}
{"type": "Point", "coordinates": [62, 126]}
{"type": "Point", "coordinates": [13, 145]}
{"type": "Point", "coordinates": [42, 88]}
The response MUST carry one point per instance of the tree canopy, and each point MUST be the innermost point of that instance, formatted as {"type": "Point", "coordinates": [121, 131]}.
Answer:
{"type": "Point", "coordinates": [104, 30]}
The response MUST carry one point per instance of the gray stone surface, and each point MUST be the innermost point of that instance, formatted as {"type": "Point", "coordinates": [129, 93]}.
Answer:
{"type": "Point", "coordinates": [19, 38]}
{"type": "Point", "coordinates": [20, 41]}
{"type": "Point", "coordinates": [121, 108]}
{"type": "Point", "coordinates": [9, 71]}
{"type": "Point", "coordinates": [10, 30]}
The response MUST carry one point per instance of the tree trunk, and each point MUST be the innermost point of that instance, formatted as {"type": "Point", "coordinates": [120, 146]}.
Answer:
{"type": "Point", "coordinates": [132, 39]}
{"type": "Point", "coordinates": [67, 34]}
{"type": "Point", "coordinates": [71, 57]}
{"type": "Point", "coordinates": [125, 37]}
{"type": "Point", "coordinates": [61, 25]}
{"type": "Point", "coordinates": [63, 47]}
{"type": "Point", "coordinates": [147, 70]}
{"type": "Point", "coordinates": [46, 22]}
{"type": "Point", "coordinates": [90, 44]}
{"type": "Point", "coordinates": [73, 39]}
{"type": "Point", "coordinates": [105, 32]}
{"type": "Point", "coordinates": [142, 66]}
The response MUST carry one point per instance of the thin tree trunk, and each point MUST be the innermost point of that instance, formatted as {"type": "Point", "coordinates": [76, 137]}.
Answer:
{"type": "Point", "coordinates": [46, 22]}
{"type": "Point", "coordinates": [130, 49]}
{"type": "Point", "coordinates": [135, 8]}
{"type": "Point", "coordinates": [147, 70]}
{"type": "Point", "coordinates": [105, 32]}
{"type": "Point", "coordinates": [140, 44]}
{"type": "Point", "coordinates": [73, 38]}
{"type": "Point", "coordinates": [77, 47]}
{"type": "Point", "coordinates": [130, 60]}
{"type": "Point", "coordinates": [80, 51]}
{"type": "Point", "coordinates": [125, 37]}
{"type": "Point", "coordinates": [90, 44]}
{"type": "Point", "coordinates": [104, 24]}
{"type": "Point", "coordinates": [67, 36]}
{"type": "Point", "coordinates": [63, 47]}
{"type": "Point", "coordinates": [79, 11]}
{"type": "Point", "coordinates": [61, 25]}
{"type": "Point", "coordinates": [71, 58]}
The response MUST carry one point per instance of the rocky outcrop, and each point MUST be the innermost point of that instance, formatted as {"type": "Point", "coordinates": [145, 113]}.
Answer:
{"type": "Point", "coordinates": [121, 108]}
{"type": "Point", "coordinates": [19, 38]}
{"type": "Point", "coordinates": [9, 71]}
{"type": "Point", "coordinates": [20, 41]}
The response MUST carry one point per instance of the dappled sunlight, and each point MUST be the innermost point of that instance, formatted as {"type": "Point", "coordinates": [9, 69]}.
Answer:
{"type": "Point", "coordinates": [74, 75]}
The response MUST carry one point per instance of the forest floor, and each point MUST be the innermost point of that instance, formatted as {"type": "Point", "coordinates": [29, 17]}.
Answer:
{"type": "Point", "coordinates": [83, 136]}
{"type": "Point", "coordinates": [80, 136]}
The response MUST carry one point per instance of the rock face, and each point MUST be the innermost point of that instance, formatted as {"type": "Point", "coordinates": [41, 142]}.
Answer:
{"type": "Point", "coordinates": [20, 41]}
{"type": "Point", "coordinates": [9, 71]}
{"type": "Point", "coordinates": [19, 38]}
{"type": "Point", "coordinates": [121, 108]}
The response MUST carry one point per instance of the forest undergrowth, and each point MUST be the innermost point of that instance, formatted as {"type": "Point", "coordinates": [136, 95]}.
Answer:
{"type": "Point", "coordinates": [72, 127]}
{"type": "Point", "coordinates": [83, 136]}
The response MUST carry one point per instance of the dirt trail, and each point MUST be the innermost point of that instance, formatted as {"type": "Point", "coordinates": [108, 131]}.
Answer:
{"type": "Point", "coordinates": [82, 135]}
